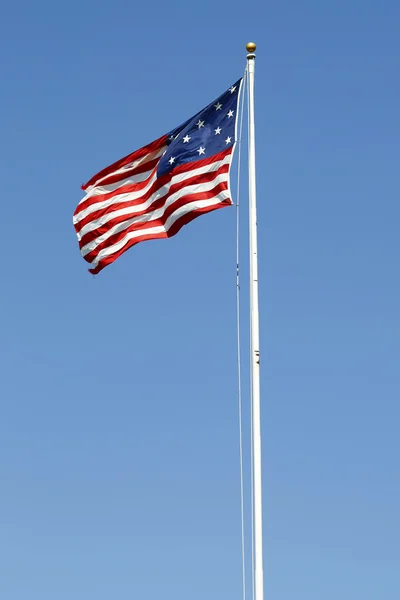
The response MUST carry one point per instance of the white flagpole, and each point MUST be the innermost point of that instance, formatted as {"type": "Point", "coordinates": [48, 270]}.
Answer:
{"type": "Point", "coordinates": [255, 337]}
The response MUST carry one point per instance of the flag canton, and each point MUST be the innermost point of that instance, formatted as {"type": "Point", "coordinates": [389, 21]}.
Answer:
{"type": "Point", "coordinates": [211, 131]}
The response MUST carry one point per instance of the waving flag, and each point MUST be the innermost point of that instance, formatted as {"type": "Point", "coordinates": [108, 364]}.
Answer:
{"type": "Point", "coordinates": [154, 191]}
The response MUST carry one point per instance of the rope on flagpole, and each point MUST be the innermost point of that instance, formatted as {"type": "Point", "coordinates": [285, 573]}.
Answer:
{"type": "Point", "coordinates": [239, 361]}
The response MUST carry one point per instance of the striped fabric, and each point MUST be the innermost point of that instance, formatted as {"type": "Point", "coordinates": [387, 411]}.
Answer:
{"type": "Point", "coordinates": [154, 191]}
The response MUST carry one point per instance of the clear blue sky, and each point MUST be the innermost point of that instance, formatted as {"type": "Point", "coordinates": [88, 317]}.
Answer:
{"type": "Point", "coordinates": [118, 423]}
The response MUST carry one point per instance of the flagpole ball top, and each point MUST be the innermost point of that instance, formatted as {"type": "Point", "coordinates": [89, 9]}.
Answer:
{"type": "Point", "coordinates": [251, 47]}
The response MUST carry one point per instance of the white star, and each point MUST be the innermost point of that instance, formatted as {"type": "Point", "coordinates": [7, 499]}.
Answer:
{"type": "Point", "coordinates": [200, 124]}
{"type": "Point", "coordinates": [228, 140]}
{"type": "Point", "coordinates": [230, 114]}
{"type": "Point", "coordinates": [201, 150]}
{"type": "Point", "coordinates": [218, 106]}
{"type": "Point", "coordinates": [232, 89]}
{"type": "Point", "coordinates": [171, 137]}
{"type": "Point", "coordinates": [218, 131]}
{"type": "Point", "coordinates": [171, 160]}
{"type": "Point", "coordinates": [186, 139]}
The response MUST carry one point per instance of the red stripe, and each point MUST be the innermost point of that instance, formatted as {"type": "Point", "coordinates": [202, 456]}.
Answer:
{"type": "Point", "coordinates": [143, 167]}
{"type": "Point", "coordinates": [122, 162]}
{"type": "Point", "coordinates": [122, 190]}
{"type": "Point", "coordinates": [138, 186]}
{"type": "Point", "coordinates": [191, 165]}
{"type": "Point", "coordinates": [127, 188]}
{"type": "Point", "coordinates": [179, 203]}
{"type": "Point", "coordinates": [91, 235]}
{"type": "Point", "coordinates": [129, 173]}
{"type": "Point", "coordinates": [109, 175]}
{"type": "Point", "coordinates": [164, 179]}
{"type": "Point", "coordinates": [175, 228]}
{"type": "Point", "coordinates": [188, 166]}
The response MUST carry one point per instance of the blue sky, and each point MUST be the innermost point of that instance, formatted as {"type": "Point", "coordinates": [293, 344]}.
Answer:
{"type": "Point", "coordinates": [118, 414]}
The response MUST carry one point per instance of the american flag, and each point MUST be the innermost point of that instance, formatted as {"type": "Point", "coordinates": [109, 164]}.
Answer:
{"type": "Point", "coordinates": [154, 191]}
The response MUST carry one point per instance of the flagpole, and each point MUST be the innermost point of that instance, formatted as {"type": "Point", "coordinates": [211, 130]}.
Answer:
{"type": "Point", "coordinates": [254, 338]}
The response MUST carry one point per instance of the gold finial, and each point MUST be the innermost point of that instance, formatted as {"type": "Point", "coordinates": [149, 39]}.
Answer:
{"type": "Point", "coordinates": [251, 47]}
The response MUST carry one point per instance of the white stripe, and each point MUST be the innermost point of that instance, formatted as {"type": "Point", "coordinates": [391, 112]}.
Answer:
{"type": "Point", "coordinates": [132, 165]}
{"type": "Point", "coordinates": [131, 196]}
{"type": "Point", "coordinates": [131, 210]}
{"type": "Point", "coordinates": [180, 212]}
{"type": "Point", "coordinates": [111, 187]}
{"type": "Point", "coordinates": [151, 215]}
{"type": "Point", "coordinates": [191, 206]}
{"type": "Point", "coordinates": [126, 197]}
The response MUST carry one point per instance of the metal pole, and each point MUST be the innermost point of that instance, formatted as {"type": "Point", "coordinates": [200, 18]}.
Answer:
{"type": "Point", "coordinates": [255, 336]}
